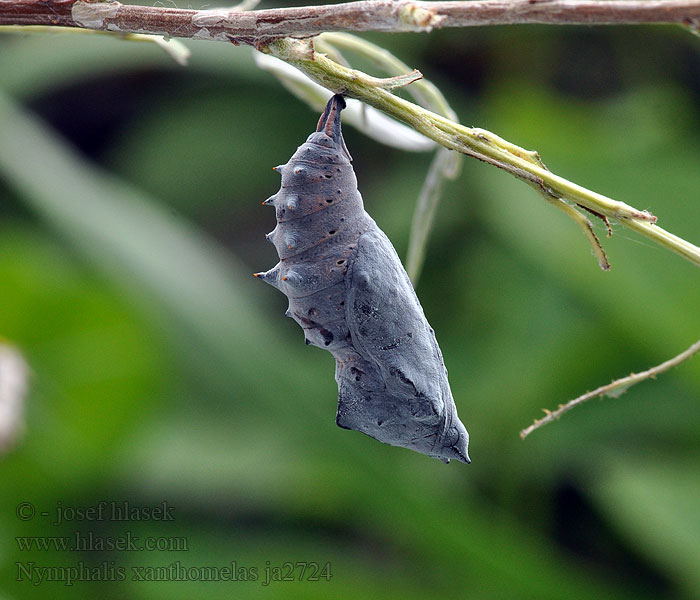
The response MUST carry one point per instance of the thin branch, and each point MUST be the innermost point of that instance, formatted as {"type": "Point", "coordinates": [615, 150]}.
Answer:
{"type": "Point", "coordinates": [425, 211]}
{"type": "Point", "coordinates": [478, 143]}
{"type": "Point", "coordinates": [584, 224]}
{"type": "Point", "coordinates": [259, 28]}
{"type": "Point", "coordinates": [613, 389]}
{"type": "Point", "coordinates": [423, 91]}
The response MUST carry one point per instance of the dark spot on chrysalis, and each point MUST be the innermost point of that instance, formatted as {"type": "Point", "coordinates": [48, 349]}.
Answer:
{"type": "Point", "coordinates": [356, 372]}
{"type": "Point", "coordinates": [327, 336]}
{"type": "Point", "coordinates": [313, 312]}
{"type": "Point", "coordinates": [308, 322]}
{"type": "Point", "coordinates": [402, 376]}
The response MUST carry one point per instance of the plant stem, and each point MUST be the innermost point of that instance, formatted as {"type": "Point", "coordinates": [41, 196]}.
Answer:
{"type": "Point", "coordinates": [478, 143]}
{"type": "Point", "coordinates": [261, 27]}
{"type": "Point", "coordinates": [424, 214]}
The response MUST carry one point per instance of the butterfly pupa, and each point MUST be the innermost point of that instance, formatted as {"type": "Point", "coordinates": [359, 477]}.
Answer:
{"type": "Point", "coordinates": [349, 292]}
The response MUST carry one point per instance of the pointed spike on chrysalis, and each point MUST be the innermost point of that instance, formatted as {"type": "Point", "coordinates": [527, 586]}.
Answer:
{"type": "Point", "coordinates": [279, 168]}
{"type": "Point", "coordinates": [270, 200]}
{"type": "Point", "coordinates": [271, 277]}
{"type": "Point", "coordinates": [270, 237]}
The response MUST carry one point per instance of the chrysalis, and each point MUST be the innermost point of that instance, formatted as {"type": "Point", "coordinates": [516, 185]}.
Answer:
{"type": "Point", "coordinates": [350, 293]}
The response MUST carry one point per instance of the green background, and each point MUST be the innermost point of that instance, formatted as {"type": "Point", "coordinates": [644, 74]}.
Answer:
{"type": "Point", "coordinates": [161, 371]}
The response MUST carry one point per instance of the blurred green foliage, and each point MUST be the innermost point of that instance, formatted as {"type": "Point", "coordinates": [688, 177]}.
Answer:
{"type": "Point", "coordinates": [130, 222]}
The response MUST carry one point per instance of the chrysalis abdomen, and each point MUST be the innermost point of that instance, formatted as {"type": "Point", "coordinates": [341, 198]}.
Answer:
{"type": "Point", "coordinates": [349, 292]}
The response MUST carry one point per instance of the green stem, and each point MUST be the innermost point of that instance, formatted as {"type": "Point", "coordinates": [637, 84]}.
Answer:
{"type": "Point", "coordinates": [478, 143]}
{"type": "Point", "coordinates": [424, 215]}
{"type": "Point", "coordinates": [425, 93]}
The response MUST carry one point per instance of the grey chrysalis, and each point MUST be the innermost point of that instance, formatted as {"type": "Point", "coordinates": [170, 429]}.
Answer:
{"type": "Point", "coordinates": [351, 295]}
